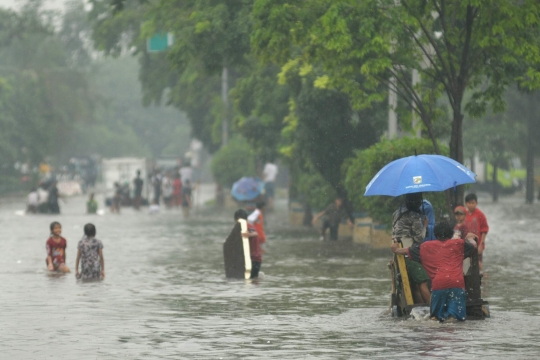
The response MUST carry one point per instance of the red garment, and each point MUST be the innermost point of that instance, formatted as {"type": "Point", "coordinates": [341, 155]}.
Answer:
{"type": "Point", "coordinates": [259, 227]}
{"type": "Point", "coordinates": [477, 224]}
{"type": "Point", "coordinates": [443, 261]}
{"type": "Point", "coordinates": [254, 245]}
{"type": "Point", "coordinates": [56, 250]}
{"type": "Point", "coordinates": [461, 230]}
{"type": "Point", "coordinates": [177, 187]}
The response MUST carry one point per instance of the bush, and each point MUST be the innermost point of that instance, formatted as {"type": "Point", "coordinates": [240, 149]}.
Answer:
{"type": "Point", "coordinates": [316, 191]}
{"type": "Point", "coordinates": [364, 166]}
{"type": "Point", "coordinates": [232, 162]}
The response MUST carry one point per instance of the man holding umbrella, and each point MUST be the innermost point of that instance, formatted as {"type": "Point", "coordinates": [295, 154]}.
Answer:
{"type": "Point", "coordinates": [409, 227]}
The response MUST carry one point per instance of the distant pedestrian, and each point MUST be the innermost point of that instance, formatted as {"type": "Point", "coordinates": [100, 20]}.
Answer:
{"type": "Point", "coordinates": [156, 183]}
{"type": "Point", "coordinates": [333, 215]}
{"type": "Point", "coordinates": [90, 256]}
{"type": "Point", "coordinates": [177, 190]}
{"type": "Point", "coordinates": [91, 205]}
{"type": "Point", "coordinates": [167, 190]}
{"type": "Point", "coordinates": [54, 208]}
{"type": "Point", "coordinates": [43, 198]}
{"type": "Point", "coordinates": [476, 223]}
{"type": "Point", "coordinates": [138, 187]}
{"type": "Point", "coordinates": [270, 173]}
{"type": "Point", "coordinates": [32, 201]}
{"type": "Point", "coordinates": [187, 198]}
{"type": "Point", "coordinates": [117, 198]}
{"type": "Point", "coordinates": [186, 173]}
{"type": "Point", "coordinates": [56, 249]}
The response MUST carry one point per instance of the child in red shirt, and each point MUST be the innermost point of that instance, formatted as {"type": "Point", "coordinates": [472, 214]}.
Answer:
{"type": "Point", "coordinates": [56, 249]}
{"type": "Point", "coordinates": [460, 229]}
{"type": "Point", "coordinates": [476, 223]}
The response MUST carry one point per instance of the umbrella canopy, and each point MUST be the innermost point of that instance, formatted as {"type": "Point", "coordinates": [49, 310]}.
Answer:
{"type": "Point", "coordinates": [247, 188]}
{"type": "Point", "coordinates": [419, 173]}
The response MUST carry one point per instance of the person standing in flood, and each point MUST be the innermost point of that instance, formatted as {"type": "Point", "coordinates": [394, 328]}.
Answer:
{"type": "Point", "coordinates": [476, 222]}
{"type": "Point", "coordinates": [177, 190]}
{"type": "Point", "coordinates": [270, 172]}
{"type": "Point", "coordinates": [254, 244]}
{"type": "Point", "coordinates": [90, 256]}
{"type": "Point", "coordinates": [54, 208]}
{"type": "Point", "coordinates": [56, 249]}
{"type": "Point", "coordinates": [156, 183]}
{"type": "Point", "coordinates": [256, 219]}
{"type": "Point", "coordinates": [334, 213]}
{"type": "Point", "coordinates": [138, 187]}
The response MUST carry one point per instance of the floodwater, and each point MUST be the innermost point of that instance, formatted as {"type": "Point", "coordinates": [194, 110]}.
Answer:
{"type": "Point", "coordinates": [165, 295]}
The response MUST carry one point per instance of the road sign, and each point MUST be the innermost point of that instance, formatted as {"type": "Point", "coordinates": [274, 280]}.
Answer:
{"type": "Point", "coordinates": [159, 42]}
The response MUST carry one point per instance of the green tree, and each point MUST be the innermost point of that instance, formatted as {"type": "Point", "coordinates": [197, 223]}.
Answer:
{"type": "Point", "coordinates": [455, 46]}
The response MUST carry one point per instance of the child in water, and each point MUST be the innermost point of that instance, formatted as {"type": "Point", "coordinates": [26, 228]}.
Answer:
{"type": "Point", "coordinates": [90, 255]}
{"type": "Point", "coordinates": [56, 249]}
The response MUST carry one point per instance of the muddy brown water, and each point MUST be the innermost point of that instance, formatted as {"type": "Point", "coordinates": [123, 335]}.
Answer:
{"type": "Point", "coordinates": [165, 295]}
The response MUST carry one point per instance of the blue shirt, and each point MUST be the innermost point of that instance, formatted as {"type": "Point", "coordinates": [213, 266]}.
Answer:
{"type": "Point", "coordinates": [427, 209]}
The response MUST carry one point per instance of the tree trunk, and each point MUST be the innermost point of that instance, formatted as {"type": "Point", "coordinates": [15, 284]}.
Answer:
{"type": "Point", "coordinates": [494, 183]}
{"type": "Point", "coordinates": [529, 195]}
{"type": "Point", "coordinates": [456, 151]}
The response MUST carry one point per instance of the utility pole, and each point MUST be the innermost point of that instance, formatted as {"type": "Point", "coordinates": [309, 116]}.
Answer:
{"type": "Point", "coordinates": [225, 100]}
{"type": "Point", "coordinates": [392, 105]}
{"type": "Point", "coordinates": [529, 191]}
{"type": "Point", "coordinates": [417, 129]}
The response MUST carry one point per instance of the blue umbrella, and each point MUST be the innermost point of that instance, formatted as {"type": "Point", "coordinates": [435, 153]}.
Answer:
{"type": "Point", "coordinates": [247, 188]}
{"type": "Point", "coordinates": [419, 173]}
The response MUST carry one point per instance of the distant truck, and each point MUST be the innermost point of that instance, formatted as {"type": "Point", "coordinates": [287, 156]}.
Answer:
{"type": "Point", "coordinates": [123, 171]}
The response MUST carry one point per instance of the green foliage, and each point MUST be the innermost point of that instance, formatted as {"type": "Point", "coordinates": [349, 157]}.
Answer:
{"type": "Point", "coordinates": [480, 46]}
{"type": "Point", "coordinates": [232, 162]}
{"type": "Point", "coordinates": [365, 165]}
{"type": "Point", "coordinates": [314, 189]}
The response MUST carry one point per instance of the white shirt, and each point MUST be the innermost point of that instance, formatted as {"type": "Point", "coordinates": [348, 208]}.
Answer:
{"type": "Point", "coordinates": [43, 196]}
{"type": "Point", "coordinates": [270, 172]}
{"type": "Point", "coordinates": [186, 173]}
{"type": "Point", "coordinates": [254, 216]}
{"type": "Point", "coordinates": [33, 198]}
{"type": "Point", "coordinates": [166, 187]}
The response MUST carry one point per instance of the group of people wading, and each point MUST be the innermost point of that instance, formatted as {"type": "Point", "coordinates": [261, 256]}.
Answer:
{"type": "Point", "coordinates": [437, 258]}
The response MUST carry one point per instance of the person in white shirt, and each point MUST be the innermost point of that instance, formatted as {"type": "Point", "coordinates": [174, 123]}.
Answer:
{"type": "Point", "coordinates": [186, 173]}
{"type": "Point", "coordinates": [270, 173]}
{"type": "Point", "coordinates": [167, 190]}
{"type": "Point", "coordinates": [32, 202]}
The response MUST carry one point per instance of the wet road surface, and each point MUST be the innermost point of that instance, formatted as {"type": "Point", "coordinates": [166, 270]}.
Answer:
{"type": "Point", "coordinates": [165, 295]}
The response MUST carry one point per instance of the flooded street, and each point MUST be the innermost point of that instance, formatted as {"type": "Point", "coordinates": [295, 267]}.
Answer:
{"type": "Point", "coordinates": [165, 295]}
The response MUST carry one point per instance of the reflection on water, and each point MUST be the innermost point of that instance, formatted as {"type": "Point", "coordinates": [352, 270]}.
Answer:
{"type": "Point", "coordinates": [165, 295]}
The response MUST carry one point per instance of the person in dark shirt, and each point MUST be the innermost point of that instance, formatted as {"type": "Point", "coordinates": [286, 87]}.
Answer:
{"type": "Point", "coordinates": [54, 208]}
{"type": "Point", "coordinates": [333, 214]}
{"type": "Point", "coordinates": [138, 186]}
{"type": "Point", "coordinates": [443, 261]}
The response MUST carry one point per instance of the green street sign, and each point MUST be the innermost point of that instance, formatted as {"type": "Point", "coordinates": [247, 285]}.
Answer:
{"type": "Point", "coordinates": [159, 42]}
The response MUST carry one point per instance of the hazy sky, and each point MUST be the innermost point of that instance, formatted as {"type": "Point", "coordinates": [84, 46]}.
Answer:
{"type": "Point", "coordinates": [49, 4]}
